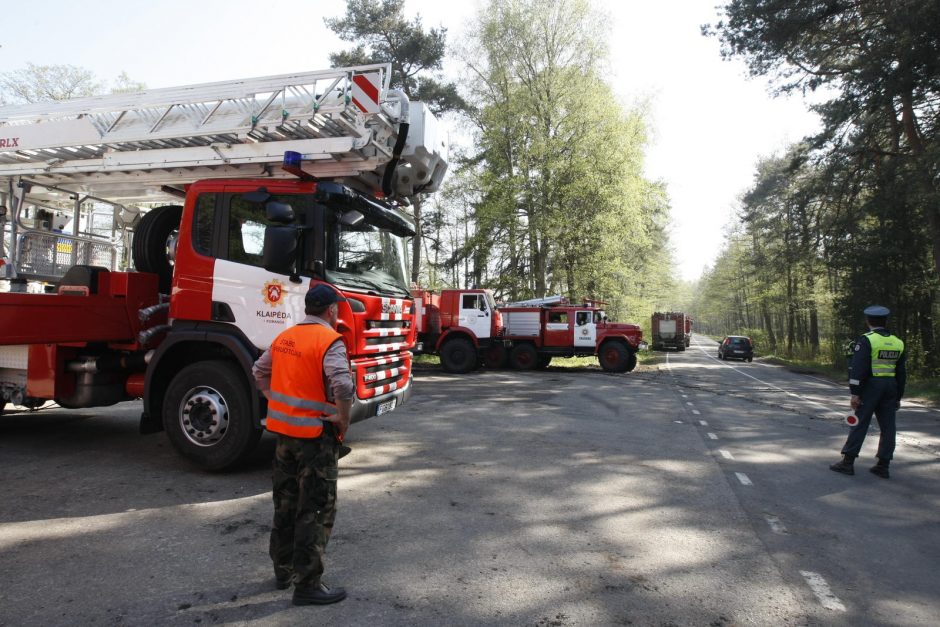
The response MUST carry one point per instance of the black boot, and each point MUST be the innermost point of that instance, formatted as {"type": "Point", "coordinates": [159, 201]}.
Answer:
{"type": "Point", "coordinates": [846, 466]}
{"type": "Point", "coordinates": [880, 469]}
{"type": "Point", "coordinates": [319, 594]}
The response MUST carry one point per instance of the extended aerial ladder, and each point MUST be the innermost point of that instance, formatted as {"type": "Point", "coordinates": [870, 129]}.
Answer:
{"type": "Point", "coordinates": [121, 151]}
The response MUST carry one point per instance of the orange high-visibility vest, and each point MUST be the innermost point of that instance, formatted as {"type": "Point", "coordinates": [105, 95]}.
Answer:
{"type": "Point", "coordinates": [298, 393]}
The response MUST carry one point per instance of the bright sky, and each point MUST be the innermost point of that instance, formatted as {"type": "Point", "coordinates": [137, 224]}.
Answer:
{"type": "Point", "coordinates": [710, 123]}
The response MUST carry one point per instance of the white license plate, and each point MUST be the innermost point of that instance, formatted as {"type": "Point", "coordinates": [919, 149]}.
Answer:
{"type": "Point", "coordinates": [739, 352]}
{"type": "Point", "coordinates": [385, 407]}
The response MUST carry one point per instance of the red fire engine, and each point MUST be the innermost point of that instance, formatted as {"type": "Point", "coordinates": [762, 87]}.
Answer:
{"type": "Point", "coordinates": [466, 328]}
{"type": "Point", "coordinates": [278, 181]}
{"type": "Point", "coordinates": [671, 329]}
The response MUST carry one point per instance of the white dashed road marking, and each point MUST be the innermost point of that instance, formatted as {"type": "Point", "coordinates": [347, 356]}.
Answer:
{"type": "Point", "coordinates": [713, 436]}
{"type": "Point", "coordinates": [775, 525]}
{"type": "Point", "coordinates": [689, 403]}
{"type": "Point", "coordinates": [821, 589]}
{"type": "Point", "coordinates": [696, 412]}
{"type": "Point", "coordinates": [743, 478]}
{"type": "Point", "coordinates": [703, 423]}
{"type": "Point", "coordinates": [725, 454]}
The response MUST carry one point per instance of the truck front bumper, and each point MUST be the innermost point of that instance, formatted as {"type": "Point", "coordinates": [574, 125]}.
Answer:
{"type": "Point", "coordinates": [381, 404]}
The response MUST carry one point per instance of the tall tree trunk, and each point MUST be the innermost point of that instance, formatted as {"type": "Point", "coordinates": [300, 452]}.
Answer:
{"type": "Point", "coordinates": [932, 209]}
{"type": "Point", "coordinates": [813, 314]}
{"type": "Point", "coordinates": [769, 326]}
{"type": "Point", "coordinates": [791, 315]}
{"type": "Point", "coordinates": [927, 334]}
{"type": "Point", "coordinates": [416, 240]}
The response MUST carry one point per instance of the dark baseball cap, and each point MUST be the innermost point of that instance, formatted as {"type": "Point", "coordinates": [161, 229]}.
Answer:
{"type": "Point", "coordinates": [321, 296]}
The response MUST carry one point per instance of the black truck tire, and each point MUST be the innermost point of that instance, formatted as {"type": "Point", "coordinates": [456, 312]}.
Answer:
{"type": "Point", "coordinates": [523, 357]}
{"type": "Point", "coordinates": [459, 356]}
{"type": "Point", "coordinates": [207, 414]}
{"type": "Point", "coordinates": [543, 362]}
{"type": "Point", "coordinates": [152, 240]}
{"type": "Point", "coordinates": [616, 357]}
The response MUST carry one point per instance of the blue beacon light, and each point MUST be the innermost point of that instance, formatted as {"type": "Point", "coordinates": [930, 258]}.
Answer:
{"type": "Point", "coordinates": [292, 159]}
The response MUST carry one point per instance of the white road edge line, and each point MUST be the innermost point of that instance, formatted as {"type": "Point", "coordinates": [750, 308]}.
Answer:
{"type": "Point", "coordinates": [726, 454]}
{"type": "Point", "coordinates": [821, 589]}
{"type": "Point", "coordinates": [699, 346]}
{"type": "Point", "coordinates": [743, 478]}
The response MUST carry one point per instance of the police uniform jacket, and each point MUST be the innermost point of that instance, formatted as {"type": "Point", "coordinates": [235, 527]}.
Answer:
{"type": "Point", "coordinates": [860, 370]}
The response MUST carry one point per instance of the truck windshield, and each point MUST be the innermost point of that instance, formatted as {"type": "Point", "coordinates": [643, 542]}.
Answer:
{"type": "Point", "coordinates": [367, 258]}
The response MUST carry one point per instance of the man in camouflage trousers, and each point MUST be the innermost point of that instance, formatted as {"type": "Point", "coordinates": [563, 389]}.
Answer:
{"type": "Point", "coordinates": [305, 377]}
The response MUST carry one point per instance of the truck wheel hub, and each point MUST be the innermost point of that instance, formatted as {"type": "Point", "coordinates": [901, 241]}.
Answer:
{"type": "Point", "coordinates": [204, 416]}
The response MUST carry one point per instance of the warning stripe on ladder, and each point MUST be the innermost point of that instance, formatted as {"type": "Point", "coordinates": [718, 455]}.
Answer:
{"type": "Point", "coordinates": [365, 91]}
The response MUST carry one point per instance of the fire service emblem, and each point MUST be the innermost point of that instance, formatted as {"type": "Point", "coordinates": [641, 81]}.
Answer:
{"type": "Point", "coordinates": [273, 293]}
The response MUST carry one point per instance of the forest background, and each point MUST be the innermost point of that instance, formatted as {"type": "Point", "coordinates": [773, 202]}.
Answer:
{"type": "Point", "coordinates": [548, 195]}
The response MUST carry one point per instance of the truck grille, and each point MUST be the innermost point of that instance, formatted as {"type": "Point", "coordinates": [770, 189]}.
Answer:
{"type": "Point", "coordinates": [381, 375]}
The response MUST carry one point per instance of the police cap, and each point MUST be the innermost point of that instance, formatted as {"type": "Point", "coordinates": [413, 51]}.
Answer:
{"type": "Point", "coordinates": [877, 311]}
{"type": "Point", "coordinates": [320, 296]}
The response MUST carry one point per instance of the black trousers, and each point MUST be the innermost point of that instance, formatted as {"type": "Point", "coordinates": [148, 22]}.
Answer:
{"type": "Point", "coordinates": [880, 398]}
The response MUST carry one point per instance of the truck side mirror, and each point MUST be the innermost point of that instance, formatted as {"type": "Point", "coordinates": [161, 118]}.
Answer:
{"type": "Point", "coordinates": [280, 249]}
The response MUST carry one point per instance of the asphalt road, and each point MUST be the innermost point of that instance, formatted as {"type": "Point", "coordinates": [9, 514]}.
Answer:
{"type": "Point", "coordinates": [690, 492]}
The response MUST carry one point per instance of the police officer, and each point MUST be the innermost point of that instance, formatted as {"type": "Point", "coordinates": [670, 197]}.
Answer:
{"type": "Point", "coordinates": [305, 377]}
{"type": "Point", "coordinates": [877, 376]}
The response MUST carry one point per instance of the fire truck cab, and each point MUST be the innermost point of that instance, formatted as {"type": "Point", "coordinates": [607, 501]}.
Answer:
{"type": "Point", "coordinates": [538, 330]}
{"type": "Point", "coordinates": [462, 326]}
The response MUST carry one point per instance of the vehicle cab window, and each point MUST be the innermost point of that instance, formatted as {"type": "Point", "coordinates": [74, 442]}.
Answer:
{"type": "Point", "coordinates": [474, 301]}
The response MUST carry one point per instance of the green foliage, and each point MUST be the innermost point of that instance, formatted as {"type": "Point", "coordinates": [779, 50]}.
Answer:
{"type": "Point", "coordinates": [382, 34]}
{"type": "Point", "coordinates": [851, 217]}
{"type": "Point", "coordinates": [558, 202]}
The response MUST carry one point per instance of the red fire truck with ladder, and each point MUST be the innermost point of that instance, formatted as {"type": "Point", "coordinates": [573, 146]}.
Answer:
{"type": "Point", "coordinates": [258, 189]}
{"type": "Point", "coordinates": [466, 328]}
{"type": "Point", "coordinates": [671, 329]}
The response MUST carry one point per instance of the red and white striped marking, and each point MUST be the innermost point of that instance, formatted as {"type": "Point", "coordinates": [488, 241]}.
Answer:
{"type": "Point", "coordinates": [384, 348]}
{"type": "Point", "coordinates": [378, 361]}
{"type": "Point", "coordinates": [386, 332]}
{"type": "Point", "coordinates": [386, 374]}
{"type": "Point", "coordinates": [385, 389]}
{"type": "Point", "coordinates": [366, 90]}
